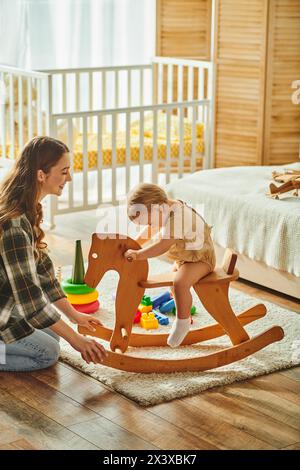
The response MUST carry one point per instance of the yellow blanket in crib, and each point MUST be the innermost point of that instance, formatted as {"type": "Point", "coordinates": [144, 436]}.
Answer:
{"type": "Point", "coordinates": [135, 143]}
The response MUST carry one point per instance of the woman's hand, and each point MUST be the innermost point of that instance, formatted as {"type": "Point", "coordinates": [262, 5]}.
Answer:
{"type": "Point", "coordinates": [86, 320]}
{"type": "Point", "coordinates": [91, 350]}
{"type": "Point", "coordinates": [131, 255]}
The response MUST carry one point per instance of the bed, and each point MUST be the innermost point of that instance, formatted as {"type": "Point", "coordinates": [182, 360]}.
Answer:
{"type": "Point", "coordinates": [158, 114]}
{"type": "Point", "coordinates": [264, 232]}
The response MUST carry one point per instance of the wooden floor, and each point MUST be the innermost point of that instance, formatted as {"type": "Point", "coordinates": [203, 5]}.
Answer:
{"type": "Point", "coordinates": [60, 408]}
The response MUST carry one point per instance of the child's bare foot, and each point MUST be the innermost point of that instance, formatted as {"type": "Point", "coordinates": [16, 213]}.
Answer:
{"type": "Point", "coordinates": [179, 330]}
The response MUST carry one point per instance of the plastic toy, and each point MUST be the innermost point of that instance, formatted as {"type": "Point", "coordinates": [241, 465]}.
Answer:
{"type": "Point", "coordinates": [161, 318]}
{"type": "Point", "coordinates": [161, 299]}
{"type": "Point", "coordinates": [82, 297]}
{"type": "Point", "coordinates": [137, 317]}
{"type": "Point", "coordinates": [167, 306]}
{"type": "Point", "coordinates": [87, 308]}
{"type": "Point", "coordinates": [193, 311]}
{"type": "Point", "coordinates": [78, 266]}
{"type": "Point", "coordinates": [70, 288]}
{"type": "Point", "coordinates": [148, 321]}
{"type": "Point", "coordinates": [107, 252]}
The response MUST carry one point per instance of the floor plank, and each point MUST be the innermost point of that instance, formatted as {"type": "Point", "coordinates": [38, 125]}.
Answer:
{"type": "Point", "coordinates": [273, 432]}
{"type": "Point", "coordinates": [292, 447]}
{"type": "Point", "coordinates": [224, 433]}
{"type": "Point", "coordinates": [69, 413]}
{"type": "Point", "coordinates": [264, 402]}
{"type": "Point", "coordinates": [20, 421]}
{"type": "Point", "coordinates": [157, 431]}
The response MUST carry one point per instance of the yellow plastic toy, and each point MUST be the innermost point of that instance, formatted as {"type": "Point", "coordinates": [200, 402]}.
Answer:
{"type": "Point", "coordinates": [78, 299]}
{"type": "Point", "coordinates": [145, 308]}
{"type": "Point", "coordinates": [148, 321]}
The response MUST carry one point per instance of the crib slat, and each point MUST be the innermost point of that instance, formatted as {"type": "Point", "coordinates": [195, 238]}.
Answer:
{"type": "Point", "coordinates": [29, 107]}
{"type": "Point", "coordinates": [127, 170]}
{"type": "Point", "coordinates": [49, 103]}
{"type": "Point", "coordinates": [141, 87]}
{"type": "Point", "coordinates": [201, 91]}
{"type": "Point", "coordinates": [180, 83]}
{"type": "Point", "coordinates": [70, 145]}
{"type": "Point", "coordinates": [193, 156]}
{"type": "Point", "coordinates": [181, 141]}
{"type": "Point", "coordinates": [99, 157]}
{"type": "Point", "coordinates": [155, 149]}
{"type": "Point", "coordinates": [103, 100]}
{"type": "Point", "coordinates": [190, 89]}
{"type": "Point", "coordinates": [91, 99]}
{"type": "Point", "coordinates": [114, 158]}
{"type": "Point", "coordinates": [170, 83]}
{"type": "Point", "coordinates": [160, 86]}
{"type": "Point", "coordinates": [39, 108]}
{"type": "Point", "coordinates": [77, 91]}
{"type": "Point", "coordinates": [116, 89]}
{"type": "Point", "coordinates": [154, 83]}
{"type": "Point", "coordinates": [64, 93]}
{"type": "Point", "coordinates": [85, 162]}
{"type": "Point", "coordinates": [20, 111]}
{"type": "Point", "coordinates": [103, 89]}
{"type": "Point", "coordinates": [11, 115]}
{"type": "Point", "coordinates": [168, 156]}
{"type": "Point", "coordinates": [129, 87]}
{"type": "Point", "coordinates": [141, 150]}
{"type": "Point", "coordinates": [206, 162]}
{"type": "Point", "coordinates": [117, 93]}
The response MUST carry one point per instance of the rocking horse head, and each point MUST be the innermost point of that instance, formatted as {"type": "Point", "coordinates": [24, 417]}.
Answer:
{"type": "Point", "coordinates": [106, 254]}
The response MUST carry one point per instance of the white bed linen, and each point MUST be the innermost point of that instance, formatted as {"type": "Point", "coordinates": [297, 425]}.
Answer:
{"type": "Point", "coordinates": [243, 217]}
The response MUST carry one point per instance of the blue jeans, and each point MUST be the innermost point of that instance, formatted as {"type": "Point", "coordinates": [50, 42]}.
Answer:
{"type": "Point", "coordinates": [36, 351]}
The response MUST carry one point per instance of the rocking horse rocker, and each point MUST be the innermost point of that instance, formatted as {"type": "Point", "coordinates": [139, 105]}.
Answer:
{"type": "Point", "coordinates": [107, 253]}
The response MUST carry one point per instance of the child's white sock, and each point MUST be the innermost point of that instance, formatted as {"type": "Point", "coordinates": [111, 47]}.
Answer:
{"type": "Point", "coordinates": [179, 330]}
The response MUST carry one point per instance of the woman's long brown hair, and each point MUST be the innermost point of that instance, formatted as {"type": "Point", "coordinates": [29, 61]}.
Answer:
{"type": "Point", "coordinates": [20, 191]}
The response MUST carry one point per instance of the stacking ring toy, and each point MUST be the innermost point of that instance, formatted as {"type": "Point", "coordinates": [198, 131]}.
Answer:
{"type": "Point", "coordinates": [83, 298]}
{"type": "Point", "coordinates": [87, 308]}
{"type": "Point", "coordinates": [70, 288]}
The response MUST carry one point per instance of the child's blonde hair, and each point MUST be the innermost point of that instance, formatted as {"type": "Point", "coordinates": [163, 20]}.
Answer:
{"type": "Point", "coordinates": [146, 194]}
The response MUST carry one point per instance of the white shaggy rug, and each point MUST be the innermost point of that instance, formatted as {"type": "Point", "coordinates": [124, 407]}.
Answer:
{"type": "Point", "coordinates": [151, 389]}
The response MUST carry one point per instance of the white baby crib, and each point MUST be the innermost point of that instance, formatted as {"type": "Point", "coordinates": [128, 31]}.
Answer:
{"type": "Point", "coordinates": [123, 124]}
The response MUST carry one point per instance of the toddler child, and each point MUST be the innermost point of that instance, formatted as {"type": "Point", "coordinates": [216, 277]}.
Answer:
{"type": "Point", "coordinates": [183, 235]}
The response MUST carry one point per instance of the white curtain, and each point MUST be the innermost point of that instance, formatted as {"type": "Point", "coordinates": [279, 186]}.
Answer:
{"type": "Point", "coordinates": [13, 32]}
{"type": "Point", "coordinates": [41, 34]}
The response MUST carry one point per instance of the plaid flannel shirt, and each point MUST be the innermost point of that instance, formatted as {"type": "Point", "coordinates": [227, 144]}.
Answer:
{"type": "Point", "coordinates": [28, 284]}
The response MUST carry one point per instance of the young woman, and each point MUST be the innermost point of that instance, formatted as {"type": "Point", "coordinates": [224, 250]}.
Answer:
{"type": "Point", "coordinates": [30, 296]}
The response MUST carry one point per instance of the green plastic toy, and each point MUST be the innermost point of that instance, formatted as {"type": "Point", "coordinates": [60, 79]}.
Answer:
{"type": "Point", "coordinates": [193, 310]}
{"type": "Point", "coordinates": [146, 300]}
{"type": "Point", "coordinates": [78, 266]}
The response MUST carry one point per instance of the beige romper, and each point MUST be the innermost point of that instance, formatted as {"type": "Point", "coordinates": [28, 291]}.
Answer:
{"type": "Point", "coordinates": [194, 242]}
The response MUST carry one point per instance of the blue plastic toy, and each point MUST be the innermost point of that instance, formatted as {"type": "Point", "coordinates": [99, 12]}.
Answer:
{"type": "Point", "coordinates": [162, 319]}
{"type": "Point", "coordinates": [167, 306]}
{"type": "Point", "coordinates": [161, 299]}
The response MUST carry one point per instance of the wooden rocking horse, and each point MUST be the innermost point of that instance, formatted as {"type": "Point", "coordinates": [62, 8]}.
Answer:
{"type": "Point", "coordinates": [107, 253]}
